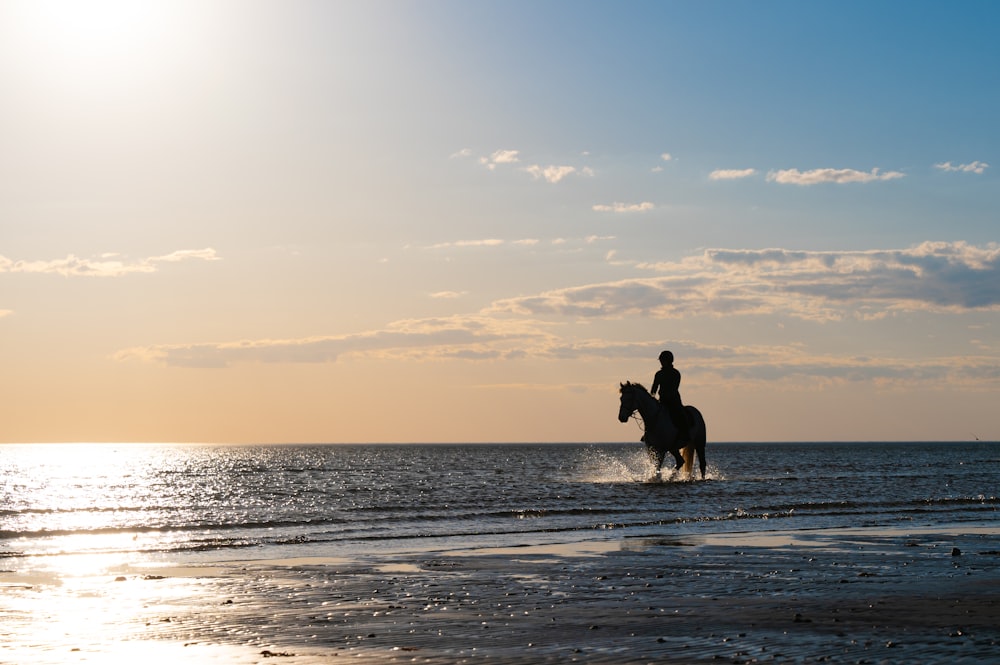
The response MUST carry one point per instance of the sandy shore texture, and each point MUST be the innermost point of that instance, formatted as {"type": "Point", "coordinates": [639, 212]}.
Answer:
{"type": "Point", "coordinates": [845, 596]}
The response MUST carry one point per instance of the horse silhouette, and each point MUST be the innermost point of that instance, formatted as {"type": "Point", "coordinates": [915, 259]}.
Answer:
{"type": "Point", "coordinates": [660, 434]}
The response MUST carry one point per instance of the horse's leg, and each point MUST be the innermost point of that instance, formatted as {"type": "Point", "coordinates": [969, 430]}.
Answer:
{"type": "Point", "coordinates": [676, 452]}
{"type": "Point", "coordinates": [702, 439]}
{"type": "Point", "coordinates": [699, 435]}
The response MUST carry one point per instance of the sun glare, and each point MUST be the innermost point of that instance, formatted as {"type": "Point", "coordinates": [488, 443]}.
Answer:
{"type": "Point", "coordinates": [75, 490]}
{"type": "Point", "coordinates": [94, 40]}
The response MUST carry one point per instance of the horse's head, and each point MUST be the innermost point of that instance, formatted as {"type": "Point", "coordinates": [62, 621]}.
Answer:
{"type": "Point", "coordinates": [632, 394]}
{"type": "Point", "coordinates": [628, 401]}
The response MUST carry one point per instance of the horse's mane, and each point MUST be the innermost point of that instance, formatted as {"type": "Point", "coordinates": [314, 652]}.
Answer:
{"type": "Point", "coordinates": [634, 385]}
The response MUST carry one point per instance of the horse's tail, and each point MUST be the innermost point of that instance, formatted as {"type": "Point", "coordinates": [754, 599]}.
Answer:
{"type": "Point", "coordinates": [688, 468]}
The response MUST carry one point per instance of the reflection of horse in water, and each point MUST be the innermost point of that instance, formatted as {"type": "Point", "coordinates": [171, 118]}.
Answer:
{"type": "Point", "coordinates": [661, 435]}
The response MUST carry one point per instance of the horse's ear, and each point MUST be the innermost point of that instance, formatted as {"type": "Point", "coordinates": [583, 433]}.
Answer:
{"type": "Point", "coordinates": [621, 385]}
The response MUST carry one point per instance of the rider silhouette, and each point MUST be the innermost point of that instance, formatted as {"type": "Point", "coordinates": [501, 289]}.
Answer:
{"type": "Point", "coordinates": [668, 381]}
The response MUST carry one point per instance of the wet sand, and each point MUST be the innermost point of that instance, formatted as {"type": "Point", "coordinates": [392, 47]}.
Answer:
{"type": "Point", "coordinates": [837, 595]}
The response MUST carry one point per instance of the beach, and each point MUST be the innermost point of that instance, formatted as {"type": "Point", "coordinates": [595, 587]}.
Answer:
{"type": "Point", "coordinates": [927, 594]}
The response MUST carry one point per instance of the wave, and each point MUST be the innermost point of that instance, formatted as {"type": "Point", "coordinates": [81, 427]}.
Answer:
{"type": "Point", "coordinates": [405, 518]}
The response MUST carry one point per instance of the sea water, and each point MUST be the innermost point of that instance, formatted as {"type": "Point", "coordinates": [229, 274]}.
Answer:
{"type": "Point", "coordinates": [195, 503]}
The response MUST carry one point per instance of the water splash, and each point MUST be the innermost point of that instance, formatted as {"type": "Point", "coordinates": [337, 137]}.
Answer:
{"type": "Point", "coordinates": [600, 466]}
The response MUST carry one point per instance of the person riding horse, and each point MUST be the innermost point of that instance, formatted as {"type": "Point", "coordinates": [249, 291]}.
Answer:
{"type": "Point", "coordinates": [667, 381]}
{"type": "Point", "coordinates": [659, 435]}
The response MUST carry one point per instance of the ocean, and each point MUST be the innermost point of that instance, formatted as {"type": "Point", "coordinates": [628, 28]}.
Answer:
{"type": "Point", "coordinates": [209, 502]}
{"type": "Point", "coordinates": [526, 553]}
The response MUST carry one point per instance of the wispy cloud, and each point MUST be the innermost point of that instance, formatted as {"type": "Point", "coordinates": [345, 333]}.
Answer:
{"type": "Point", "coordinates": [865, 285]}
{"type": "Point", "coordinates": [484, 242]}
{"type": "Point", "coordinates": [617, 207]}
{"type": "Point", "coordinates": [972, 167]}
{"type": "Point", "coordinates": [447, 295]}
{"type": "Point", "coordinates": [666, 157]}
{"type": "Point", "coordinates": [934, 276]}
{"type": "Point", "coordinates": [471, 338]}
{"type": "Point", "coordinates": [838, 176]}
{"type": "Point", "coordinates": [794, 367]}
{"type": "Point", "coordinates": [553, 174]}
{"type": "Point", "coordinates": [520, 242]}
{"type": "Point", "coordinates": [207, 254]}
{"type": "Point", "coordinates": [479, 338]}
{"type": "Point", "coordinates": [5, 312]}
{"type": "Point", "coordinates": [107, 265]}
{"type": "Point", "coordinates": [731, 174]}
{"type": "Point", "coordinates": [500, 157]}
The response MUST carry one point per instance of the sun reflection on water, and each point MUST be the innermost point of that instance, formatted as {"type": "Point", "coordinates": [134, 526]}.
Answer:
{"type": "Point", "coordinates": [87, 594]}
{"type": "Point", "coordinates": [108, 608]}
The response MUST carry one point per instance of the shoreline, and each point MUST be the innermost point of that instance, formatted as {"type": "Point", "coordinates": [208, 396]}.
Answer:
{"type": "Point", "coordinates": [928, 594]}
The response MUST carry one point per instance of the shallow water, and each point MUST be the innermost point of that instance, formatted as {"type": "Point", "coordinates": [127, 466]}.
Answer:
{"type": "Point", "coordinates": [211, 502]}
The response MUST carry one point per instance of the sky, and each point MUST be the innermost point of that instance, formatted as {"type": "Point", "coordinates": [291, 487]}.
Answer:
{"type": "Point", "coordinates": [448, 221]}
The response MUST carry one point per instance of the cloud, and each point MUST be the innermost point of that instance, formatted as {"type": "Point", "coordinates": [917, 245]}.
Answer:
{"type": "Point", "coordinates": [464, 152]}
{"type": "Point", "coordinates": [481, 338]}
{"type": "Point", "coordinates": [485, 242]}
{"type": "Point", "coordinates": [824, 286]}
{"type": "Point", "coordinates": [447, 295]}
{"type": "Point", "coordinates": [5, 312]}
{"type": "Point", "coordinates": [471, 337]}
{"type": "Point", "coordinates": [794, 368]}
{"type": "Point", "coordinates": [972, 167]}
{"type": "Point", "coordinates": [839, 176]}
{"type": "Point", "coordinates": [731, 174]}
{"type": "Point", "coordinates": [666, 156]}
{"type": "Point", "coordinates": [617, 207]}
{"type": "Point", "coordinates": [551, 174]}
{"type": "Point", "coordinates": [791, 366]}
{"type": "Point", "coordinates": [107, 265]}
{"type": "Point", "coordinates": [821, 286]}
{"type": "Point", "coordinates": [207, 254]}
{"type": "Point", "coordinates": [521, 242]}
{"type": "Point", "coordinates": [500, 157]}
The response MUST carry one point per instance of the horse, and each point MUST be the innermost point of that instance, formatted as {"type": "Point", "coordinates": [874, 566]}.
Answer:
{"type": "Point", "coordinates": [660, 434]}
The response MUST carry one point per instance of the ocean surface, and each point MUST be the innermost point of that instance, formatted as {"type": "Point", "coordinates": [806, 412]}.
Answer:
{"type": "Point", "coordinates": [197, 503]}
